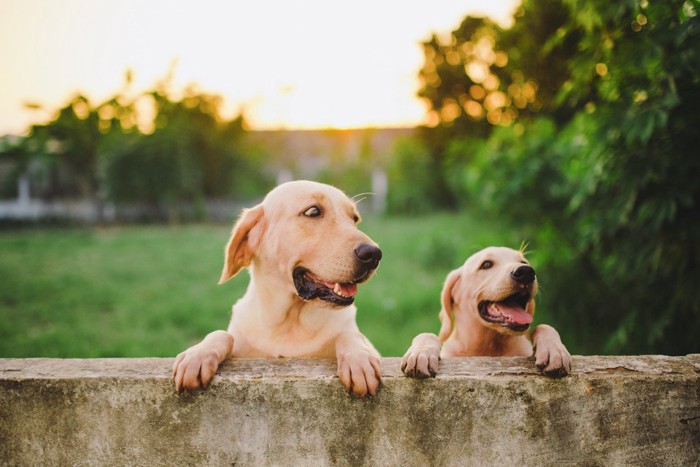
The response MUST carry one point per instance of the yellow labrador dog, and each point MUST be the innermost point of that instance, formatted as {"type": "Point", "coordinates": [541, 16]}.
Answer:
{"type": "Point", "coordinates": [491, 298]}
{"type": "Point", "coordinates": [305, 256]}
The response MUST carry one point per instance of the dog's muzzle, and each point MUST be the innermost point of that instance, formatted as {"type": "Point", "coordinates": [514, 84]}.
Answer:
{"type": "Point", "coordinates": [310, 286]}
{"type": "Point", "coordinates": [510, 313]}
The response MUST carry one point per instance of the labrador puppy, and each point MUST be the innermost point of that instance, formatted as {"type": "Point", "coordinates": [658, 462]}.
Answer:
{"type": "Point", "coordinates": [306, 257]}
{"type": "Point", "coordinates": [490, 299]}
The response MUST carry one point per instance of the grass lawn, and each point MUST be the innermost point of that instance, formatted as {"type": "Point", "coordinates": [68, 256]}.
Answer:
{"type": "Point", "coordinates": [152, 290]}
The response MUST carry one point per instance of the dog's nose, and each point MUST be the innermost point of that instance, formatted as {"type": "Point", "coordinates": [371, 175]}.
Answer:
{"type": "Point", "coordinates": [523, 274]}
{"type": "Point", "coordinates": [368, 254]}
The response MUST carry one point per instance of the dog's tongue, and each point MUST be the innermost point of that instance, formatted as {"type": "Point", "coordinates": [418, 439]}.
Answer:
{"type": "Point", "coordinates": [512, 313]}
{"type": "Point", "coordinates": [348, 290]}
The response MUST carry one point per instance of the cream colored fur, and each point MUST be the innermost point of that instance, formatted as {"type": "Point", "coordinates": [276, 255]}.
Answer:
{"type": "Point", "coordinates": [271, 319]}
{"type": "Point", "coordinates": [465, 333]}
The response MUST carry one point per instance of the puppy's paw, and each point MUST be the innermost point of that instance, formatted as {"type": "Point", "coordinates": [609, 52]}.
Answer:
{"type": "Point", "coordinates": [421, 362]}
{"type": "Point", "coordinates": [552, 358]}
{"type": "Point", "coordinates": [422, 358]}
{"type": "Point", "coordinates": [194, 368]}
{"type": "Point", "coordinates": [360, 372]}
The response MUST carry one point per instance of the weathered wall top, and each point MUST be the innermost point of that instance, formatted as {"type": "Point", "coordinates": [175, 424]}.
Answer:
{"type": "Point", "coordinates": [479, 411]}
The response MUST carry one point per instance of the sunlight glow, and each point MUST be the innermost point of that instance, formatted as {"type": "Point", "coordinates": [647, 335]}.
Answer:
{"type": "Point", "coordinates": [303, 64]}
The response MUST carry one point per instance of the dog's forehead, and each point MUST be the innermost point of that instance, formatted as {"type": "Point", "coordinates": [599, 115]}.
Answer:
{"type": "Point", "coordinates": [301, 194]}
{"type": "Point", "coordinates": [496, 254]}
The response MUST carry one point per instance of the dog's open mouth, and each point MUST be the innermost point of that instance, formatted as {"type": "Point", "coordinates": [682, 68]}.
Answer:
{"type": "Point", "coordinates": [310, 286]}
{"type": "Point", "coordinates": [509, 313]}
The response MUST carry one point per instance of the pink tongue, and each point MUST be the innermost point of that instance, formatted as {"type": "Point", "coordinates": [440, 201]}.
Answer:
{"type": "Point", "coordinates": [513, 314]}
{"type": "Point", "coordinates": [349, 290]}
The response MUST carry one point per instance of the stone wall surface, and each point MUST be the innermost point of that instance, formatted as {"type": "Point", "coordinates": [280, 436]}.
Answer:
{"type": "Point", "coordinates": [641, 410]}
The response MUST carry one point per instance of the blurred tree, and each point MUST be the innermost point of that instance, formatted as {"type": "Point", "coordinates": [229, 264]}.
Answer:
{"type": "Point", "coordinates": [636, 185]}
{"type": "Point", "coordinates": [414, 185]}
{"type": "Point", "coordinates": [187, 155]}
{"type": "Point", "coordinates": [484, 76]}
{"type": "Point", "coordinates": [67, 150]}
{"type": "Point", "coordinates": [605, 175]}
{"type": "Point", "coordinates": [148, 148]}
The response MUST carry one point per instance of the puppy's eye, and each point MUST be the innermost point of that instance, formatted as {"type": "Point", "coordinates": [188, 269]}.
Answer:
{"type": "Point", "coordinates": [313, 211]}
{"type": "Point", "coordinates": [356, 218]}
{"type": "Point", "coordinates": [486, 265]}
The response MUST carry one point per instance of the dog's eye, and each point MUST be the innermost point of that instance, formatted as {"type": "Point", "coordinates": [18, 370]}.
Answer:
{"type": "Point", "coordinates": [356, 218]}
{"type": "Point", "coordinates": [313, 211]}
{"type": "Point", "coordinates": [486, 265]}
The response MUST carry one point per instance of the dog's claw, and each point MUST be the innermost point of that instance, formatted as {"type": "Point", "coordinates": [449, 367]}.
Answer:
{"type": "Point", "coordinates": [556, 373]}
{"type": "Point", "coordinates": [552, 358]}
{"type": "Point", "coordinates": [421, 362]}
{"type": "Point", "coordinates": [360, 373]}
{"type": "Point", "coordinates": [194, 369]}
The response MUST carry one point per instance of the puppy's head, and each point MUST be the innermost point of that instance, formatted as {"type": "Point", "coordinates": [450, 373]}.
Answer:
{"type": "Point", "coordinates": [303, 239]}
{"type": "Point", "coordinates": [497, 286]}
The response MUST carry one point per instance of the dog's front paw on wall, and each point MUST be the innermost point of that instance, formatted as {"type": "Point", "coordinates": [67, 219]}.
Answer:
{"type": "Point", "coordinates": [360, 372]}
{"type": "Point", "coordinates": [195, 368]}
{"type": "Point", "coordinates": [552, 358]}
{"type": "Point", "coordinates": [422, 359]}
{"type": "Point", "coordinates": [420, 362]}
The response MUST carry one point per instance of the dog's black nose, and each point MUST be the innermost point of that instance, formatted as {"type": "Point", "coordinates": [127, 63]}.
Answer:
{"type": "Point", "coordinates": [368, 254]}
{"type": "Point", "coordinates": [523, 274]}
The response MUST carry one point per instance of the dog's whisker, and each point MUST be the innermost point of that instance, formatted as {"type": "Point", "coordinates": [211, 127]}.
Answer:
{"type": "Point", "coordinates": [357, 201]}
{"type": "Point", "coordinates": [523, 247]}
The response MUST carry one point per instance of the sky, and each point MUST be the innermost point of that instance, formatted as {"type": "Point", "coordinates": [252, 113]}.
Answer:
{"type": "Point", "coordinates": [285, 64]}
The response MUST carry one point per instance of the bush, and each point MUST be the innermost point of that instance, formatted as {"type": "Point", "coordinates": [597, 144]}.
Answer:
{"type": "Point", "coordinates": [611, 193]}
{"type": "Point", "coordinates": [413, 179]}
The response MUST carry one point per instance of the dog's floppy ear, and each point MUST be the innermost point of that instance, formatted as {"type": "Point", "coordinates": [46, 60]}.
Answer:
{"type": "Point", "coordinates": [447, 300]}
{"type": "Point", "coordinates": [244, 238]}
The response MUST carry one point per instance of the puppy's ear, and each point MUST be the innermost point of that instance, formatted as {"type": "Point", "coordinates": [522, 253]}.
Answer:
{"type": "Point", "coordinates": [245, 237]}
{"type": "Point", "coordinates": [447, 300]}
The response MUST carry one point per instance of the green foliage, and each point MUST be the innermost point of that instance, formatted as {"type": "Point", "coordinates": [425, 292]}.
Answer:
{"type": "Point", "coordinates": [611, 192]}
{"type": "Point", "coordinates": [352, 178]}
{"type": "Point", "coordinates": [61, 154]}
{"type": "Point", "coordinates": [184, 153]}
{"type": "Point", "coordinates": [190, 155]}
{"type": "Point", "coordinates": [484, 77]}
{"type": "Point", "coordinates": [497, 175]}
{"type": "Point", "coordinates": [413, 178]}
{"type": "Point", "coordinates": [15, 153]}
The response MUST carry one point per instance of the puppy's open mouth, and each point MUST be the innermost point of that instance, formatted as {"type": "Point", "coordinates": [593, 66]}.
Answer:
{"type": "Point", "coordinates": [509, 313]}
{"type": "Point", "coordinates": [310, 286]}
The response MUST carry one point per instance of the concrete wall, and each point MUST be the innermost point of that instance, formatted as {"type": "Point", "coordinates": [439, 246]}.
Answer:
{"type": "Point", "coordinates": [479, 411]}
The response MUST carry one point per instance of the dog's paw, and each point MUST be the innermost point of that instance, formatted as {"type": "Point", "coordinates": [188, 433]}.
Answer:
{"type": "Point", "coordinates": [552, 358]}
{"type": "Point", "coordinates": [422, 358]}
{"type": "Point", "coordinates": [360, 372]}
{"type": "Point", "coordinates": [195, 368]}
{"type": "Point", "coordinates": [421, 362]}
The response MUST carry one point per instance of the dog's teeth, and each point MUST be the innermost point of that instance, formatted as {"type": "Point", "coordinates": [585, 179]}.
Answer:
{"type": "Point", "coordinates": [336, 290]}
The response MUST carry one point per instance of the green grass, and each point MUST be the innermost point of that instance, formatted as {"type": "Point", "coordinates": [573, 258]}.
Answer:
{"type": "Point", "coordinates": [152, 291]}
